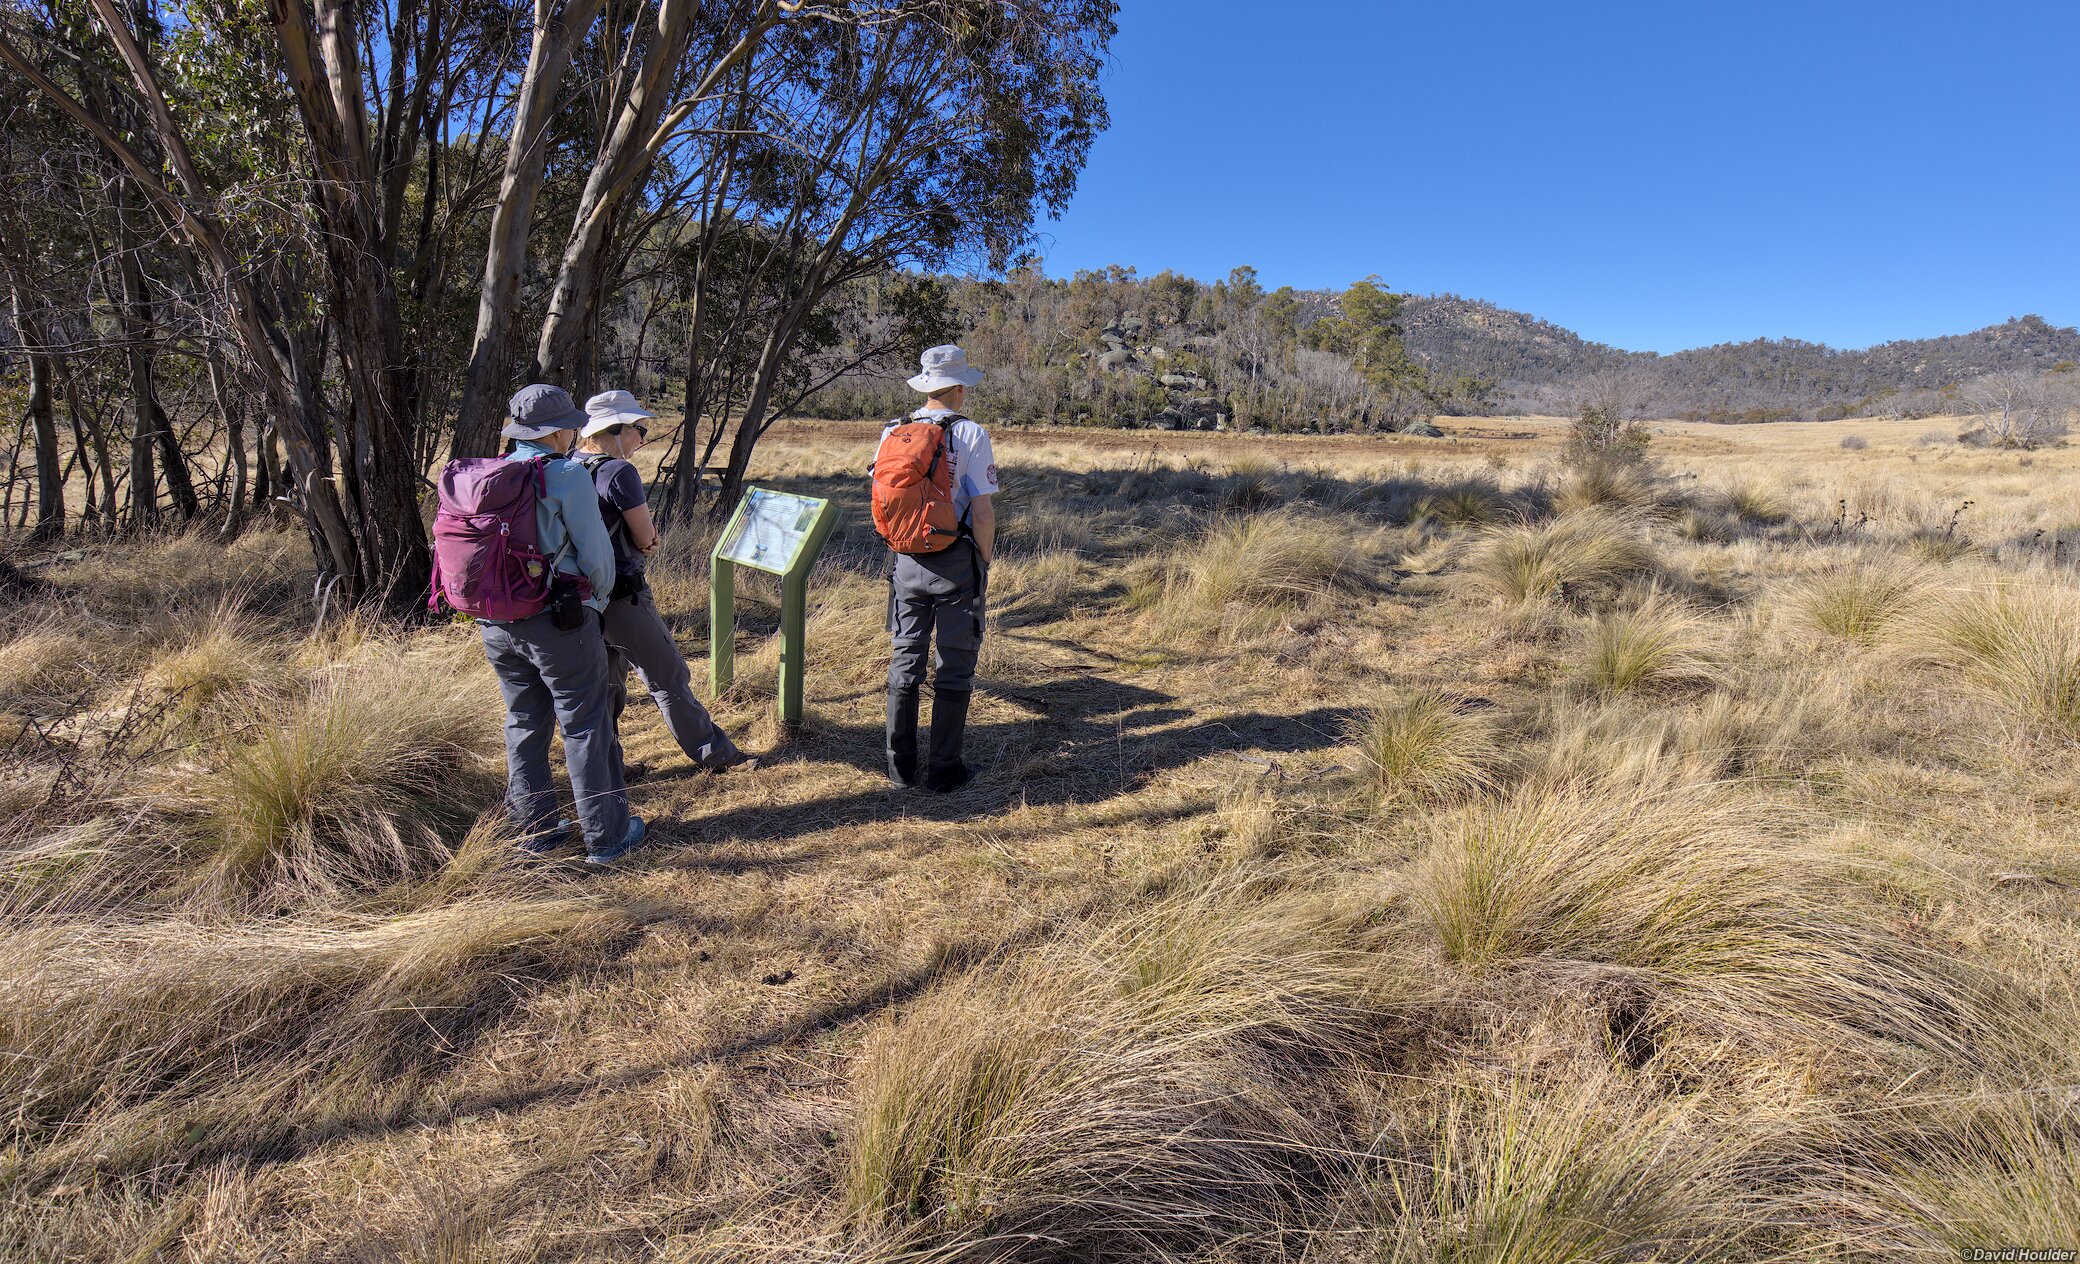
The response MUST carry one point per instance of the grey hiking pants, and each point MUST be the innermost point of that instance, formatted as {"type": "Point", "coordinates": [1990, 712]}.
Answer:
{"type": "Point", "coordinates": [935, 605]}
{"type": "Point", "coordinates": [637, 636]}
{"type": "Point", "coordinates": [553, 679]}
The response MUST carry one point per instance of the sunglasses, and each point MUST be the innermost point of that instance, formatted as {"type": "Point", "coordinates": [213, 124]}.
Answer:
{"type": "Point", "coordinates": [618, 431]}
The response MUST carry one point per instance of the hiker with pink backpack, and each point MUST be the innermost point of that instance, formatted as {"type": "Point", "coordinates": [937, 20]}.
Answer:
{"type": "Point", "coordinates": [519, 544]}
{"type": "Point", "coordinates": [933, 476]}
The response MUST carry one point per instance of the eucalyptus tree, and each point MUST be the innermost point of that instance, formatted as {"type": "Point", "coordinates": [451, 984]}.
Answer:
{"type": "Point", "coordinates": [857, 142]}
{"type": "Point", "coordinates": [286, 155]}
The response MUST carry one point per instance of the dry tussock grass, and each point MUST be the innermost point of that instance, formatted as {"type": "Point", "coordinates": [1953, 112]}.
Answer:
{"type": "Point", "coordinates": [2016, 645]}
{"type": "Point", "coordinates": [180, 1035]}
{"type": "Point", "coordinates": [1428, 746]}
{"type": "Point", "coordinates": [1659, 643]}
{"type": "Point", "coordinates": [1861, 600]}
{"type": "Point", "coordinates": [1308, 911]}
{"type": "Point", "coordinates": [1579, 555]}
{"type": "Point", "coordinates": [1583, 1173]}
{"type": "Point", "coordinates": [1704, 903]}
{"type": "Point", "coordinates": [1146, 1094]}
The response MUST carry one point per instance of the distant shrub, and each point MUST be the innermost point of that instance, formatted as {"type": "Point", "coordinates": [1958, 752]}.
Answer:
{"type": "Point", "coordinates": [1601, 435]}
{"type": "Point", "coordinates": [1854, 443]}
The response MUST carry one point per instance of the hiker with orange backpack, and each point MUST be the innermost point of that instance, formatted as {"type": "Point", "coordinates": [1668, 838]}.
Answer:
{"type": "Point", "coordinates": [933, 476]}
{"type": "Point", "coordinates": [519, 544]}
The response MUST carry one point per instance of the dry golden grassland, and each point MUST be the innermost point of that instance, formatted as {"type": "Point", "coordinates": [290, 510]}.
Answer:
{"type": "Point", "coordinates": [1385, 850]}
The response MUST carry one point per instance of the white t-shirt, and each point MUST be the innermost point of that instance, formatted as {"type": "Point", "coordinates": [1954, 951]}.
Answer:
{"type": "Point", "coordinates": [973, 461]}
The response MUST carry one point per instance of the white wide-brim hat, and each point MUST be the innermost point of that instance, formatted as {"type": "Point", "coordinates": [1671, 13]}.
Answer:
{"type": "Point", "coordinates": [944, 368]}
{"type": "Point", "coordinates": [608, 409]}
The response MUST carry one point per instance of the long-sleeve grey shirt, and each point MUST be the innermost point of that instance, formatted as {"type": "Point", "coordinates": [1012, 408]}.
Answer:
{"type": "Point", "coordinates": [569, 511]}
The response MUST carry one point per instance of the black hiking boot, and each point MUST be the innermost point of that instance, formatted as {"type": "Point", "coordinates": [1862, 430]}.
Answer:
{"type": "Point", "coordinates": [902, 736]}
{"type": "Point", "coordinates": [946, 772]}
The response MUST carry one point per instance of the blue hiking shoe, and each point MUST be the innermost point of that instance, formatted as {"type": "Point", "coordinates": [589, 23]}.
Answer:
{"type": "Point", "coordinates": [629, 842]}
{"type": "Point", "coordinates": [546, 842]}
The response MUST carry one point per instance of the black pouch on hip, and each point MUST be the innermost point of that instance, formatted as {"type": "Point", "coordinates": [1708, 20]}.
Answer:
{"type": "Point", "coordinates": [566, 610]}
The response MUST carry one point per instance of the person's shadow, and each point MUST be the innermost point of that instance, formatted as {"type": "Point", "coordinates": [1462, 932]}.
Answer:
{"type": "Point", "coordinates": [1084, 739]}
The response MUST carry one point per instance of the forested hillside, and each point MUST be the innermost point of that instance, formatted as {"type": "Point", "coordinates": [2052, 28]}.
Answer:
{"type": "Point", "coordinates": [1111, 347]}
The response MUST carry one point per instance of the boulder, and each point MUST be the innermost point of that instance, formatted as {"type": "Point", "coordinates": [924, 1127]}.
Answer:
{"type": "Point", "coordinates": [1422, 429]}
{"type": "Point", "coordinates": [1131, 325]}
{"type": "Point", "coordinates": [1116, 359]}
{"type": "Point", "coordinates": [1184, 381]}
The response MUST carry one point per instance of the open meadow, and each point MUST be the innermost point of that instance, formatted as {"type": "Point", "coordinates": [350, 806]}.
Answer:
{"type": "Point", "coordinates": [1385, 849]}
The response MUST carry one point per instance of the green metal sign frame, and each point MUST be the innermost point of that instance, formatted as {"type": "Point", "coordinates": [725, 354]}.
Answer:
{"type": "Point", "coordinates": [781, 534]}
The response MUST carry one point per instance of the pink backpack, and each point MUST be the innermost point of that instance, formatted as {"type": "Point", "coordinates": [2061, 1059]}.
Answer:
{"type": "Point", "coordinates": [487, 558]}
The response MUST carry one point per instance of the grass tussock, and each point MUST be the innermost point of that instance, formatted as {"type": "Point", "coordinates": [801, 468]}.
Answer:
{"type": "Point", "coordinates": [1608, 486]}
{"type": "Point", "coordinates": [1427, 747]}
{"type": "Point", "coordinates": [1699, 897]}
{"type": "Point", "coordinates": [1277, 558]}
{"type": "Point", "coordinates": [149, 1035]}
{"type": "Point", "coordinates": [356, 784]}
{"type": "Point", "coordinates": [1658, 644]}
{"type": "Point", "coordinates": [1474, 502]}
{"type": "Point", "coordinates": [1576, 1174]}
{"type": "Point", "coordinates": [1962, 1174]}
{"type": "Point", "coordinates": [221, 661]}
{"type": "Point", "coordinates": [1752, 503]}
{"type": "Point", "coordinates": [1147, 1095]}
{"type": "Point", "coordinates": [1861, 601]}
{"type": "Point", "coordinates": [2017, 645]}
{"type": "Point", "coordinates": [1575, 556]}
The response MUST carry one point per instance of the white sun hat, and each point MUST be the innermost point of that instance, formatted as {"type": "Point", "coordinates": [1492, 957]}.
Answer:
{"type": "Point", "coordinates": [613, 408]}
{"type": "Point", "coordinates": [944, 368]}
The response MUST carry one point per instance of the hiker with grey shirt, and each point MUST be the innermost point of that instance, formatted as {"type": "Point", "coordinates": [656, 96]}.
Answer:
{"type": "Point", "coordinates": [557, 677]}
{"type": "Point", "coordinates": [636, 633]}
{"type": "Point", "coordinates": [933, 476]}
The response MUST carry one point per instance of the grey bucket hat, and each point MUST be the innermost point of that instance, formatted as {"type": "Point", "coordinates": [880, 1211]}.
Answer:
{"type": "Point", "coordinates": [944, 368]}
{"type": "Point", "coordinates": [540, 410]}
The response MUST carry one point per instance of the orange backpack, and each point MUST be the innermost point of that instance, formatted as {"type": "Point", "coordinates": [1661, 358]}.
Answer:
{"type": "Point", "coordinates": [913, 487]}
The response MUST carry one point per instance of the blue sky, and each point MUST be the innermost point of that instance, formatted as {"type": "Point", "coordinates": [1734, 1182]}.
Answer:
{"type": "Point", "coordinates": [1651, 175]}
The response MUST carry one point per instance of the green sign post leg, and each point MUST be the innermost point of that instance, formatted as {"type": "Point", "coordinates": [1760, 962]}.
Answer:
{"type": "Point", "coordinates": [722, 625]}
{"type": "Point", "coordinates": [794, 644]}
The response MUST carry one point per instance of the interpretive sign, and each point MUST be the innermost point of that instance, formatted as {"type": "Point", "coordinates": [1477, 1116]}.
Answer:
{"type": "Point", "coordinates": [781, 534]}
{"type": "Point", "coordinates": [769, 529]}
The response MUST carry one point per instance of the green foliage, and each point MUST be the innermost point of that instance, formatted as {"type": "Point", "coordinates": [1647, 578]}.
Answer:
{"type": "Point", "coordinates": [1600, 435]}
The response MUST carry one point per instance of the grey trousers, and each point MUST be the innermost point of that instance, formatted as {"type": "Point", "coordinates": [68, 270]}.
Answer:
{"type": "Point", "coordinates": [637, 636]}
{"type": "Point", "coordinates": [553, 679]}
{"type": "Point", "coordinates": [935, 604]}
